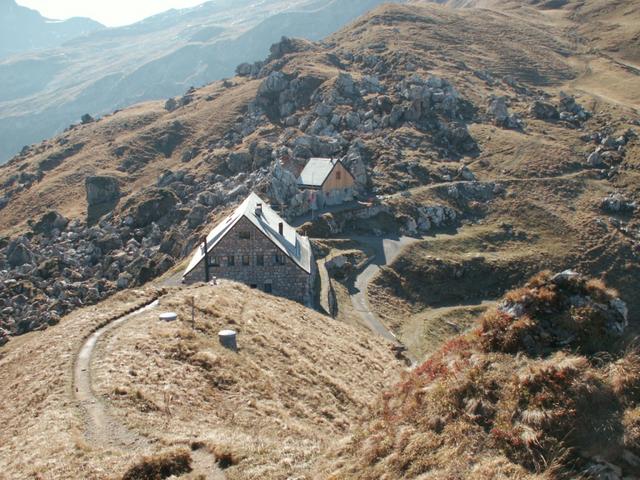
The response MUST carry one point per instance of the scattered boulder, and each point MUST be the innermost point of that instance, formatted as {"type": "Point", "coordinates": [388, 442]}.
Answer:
{"type": "Point", "coordinates": [49, 222]}
{"type": "Point", "coordinates": [239, 161]}
{"type": "Point", "coordinates": [465, 174]}
{"type": "Point", "coordinates": [155, 204]}
{"type": "Point", "coordinates": [170, 105]}
{"type": "Point", "coordinates": [18, 252]}
{"type": "Point", "coordinates": [500, 113]}
{"type": "Point", "coordinates": [571, 111]}
{"type": "Point", "coordinates": [102, 189]}
{"type": "Point", "coordinates": [124, 280]}
{"type": "Point", "coordinates": [544, 111]}
{"type": "Point", "coordinates": [197, 216]}
{"type": "Point", "coordinates": [617, 203]}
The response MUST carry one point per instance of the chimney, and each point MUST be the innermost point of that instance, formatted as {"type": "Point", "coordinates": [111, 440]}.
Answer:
{"type": "Point", "coordinates": [258, 209]}
{"type": "Point", "coordinates": [281, 228]}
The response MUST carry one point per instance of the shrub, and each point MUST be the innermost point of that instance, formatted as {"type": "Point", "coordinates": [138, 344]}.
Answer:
{"type": "Point", "coordinates": [161, 466]}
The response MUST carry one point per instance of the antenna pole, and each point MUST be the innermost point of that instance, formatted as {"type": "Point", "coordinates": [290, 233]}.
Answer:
{"type": "Point", "coordinates": [206, 260]}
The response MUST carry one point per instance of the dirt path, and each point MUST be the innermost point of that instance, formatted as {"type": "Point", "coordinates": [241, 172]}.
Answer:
{"type": "Point", "coordinates": [386, 251]}
{"type": "Point", "coordinates": [102, 429]}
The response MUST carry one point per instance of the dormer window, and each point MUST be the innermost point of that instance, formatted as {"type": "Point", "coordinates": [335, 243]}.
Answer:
{"type": "Point", "coordinates": [338, 175]}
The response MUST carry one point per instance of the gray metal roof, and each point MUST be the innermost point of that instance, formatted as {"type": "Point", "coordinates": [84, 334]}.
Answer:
{"type": "Point", "coordinates": [295, 246]}
{"type": "Point", "coordinates": [316, 171]}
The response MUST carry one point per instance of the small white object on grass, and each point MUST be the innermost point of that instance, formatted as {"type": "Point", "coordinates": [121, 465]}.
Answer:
{"type": "Point", "coordinates": [228, 339]}
{"type": "Point", "coordinates": [169, 317]}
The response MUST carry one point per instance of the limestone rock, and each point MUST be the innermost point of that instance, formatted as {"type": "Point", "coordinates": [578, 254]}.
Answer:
{"type": "Point", "coordinates": [283, 184]}
{"type": "Point", "coordinates": [543, 111]}
{"type": "Point", "coordinates": [239, 161]}
{"type": "Point", "coordinates": [617, 203]}
{"type": "Point", "coordinates": [50, 221]}
{"type": "Point", "coordinates": [155, 204]}
{"type": "Point", "coordinates": [275, 83]}
{"type": "Point", "coordinates": [500, 113]}
{"type": "Point", "coordinates": [102, 190]}
{"type": "Point", "coordinates": [18, 252]}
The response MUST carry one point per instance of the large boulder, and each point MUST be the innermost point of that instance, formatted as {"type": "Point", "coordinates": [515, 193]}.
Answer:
{"type": "Point", "coordinates": [346, 86]}
{"type": "Point", "coordinates": [500, 113]}
{"type": "Point", "coordinates": [354, 162]}
{"type": "Point", "coordinates": [102, 189]}
{"type": "Point", "coordinates": [18, 253]}
{"type": "Point", "coordinates": [50, 221]}
{"type": "Point", "coordinates": [239, 161]}
{"type": "Point", "coordinates": [103, 194]}
{"type": "Point", "coordinates": [543, 111]}
{"type": "Point", "coordinates": [154, 205]}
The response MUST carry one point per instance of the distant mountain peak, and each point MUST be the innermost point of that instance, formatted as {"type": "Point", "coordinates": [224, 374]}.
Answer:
{"type": "Point", "coordinates": [23, 29]}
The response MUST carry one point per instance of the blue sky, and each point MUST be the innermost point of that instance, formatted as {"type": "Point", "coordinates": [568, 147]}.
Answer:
{"type": "Point", "coordinates": [111, 13]}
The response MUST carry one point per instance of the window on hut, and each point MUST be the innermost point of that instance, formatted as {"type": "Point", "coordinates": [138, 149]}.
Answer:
{"type": "Point", "coordinates": [244, 235]}
{"type": "Point", "coordinates": [268, 287]}
{"type": "Point", "coordinates": [246, 260]}
{"type": "Point", "coordinates": [231, 260]}
{"type": "Point", "coordinates": [278, 259]}
{"type": "Point", "coordinates": [260, 260]}
{"type": "Point", "coordinates": [214, 261]}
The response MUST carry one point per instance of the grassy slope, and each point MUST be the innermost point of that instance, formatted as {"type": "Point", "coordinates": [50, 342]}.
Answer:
{"type": "Point", "coordinates": [299, 381]}
{"type": "Point", "coordinates": [508, 400]}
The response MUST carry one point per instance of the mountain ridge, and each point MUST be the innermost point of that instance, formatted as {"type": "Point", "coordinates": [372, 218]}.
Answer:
{"type": "Point", "coordinates": [157, 58]}
{"type": "Point", "coordinates": [23, 29]}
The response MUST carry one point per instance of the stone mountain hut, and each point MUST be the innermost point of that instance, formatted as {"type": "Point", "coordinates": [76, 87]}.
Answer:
{"type": "Point", "coordinates": [256, 247]}
{"type": "Point", "coordinates": [332, 181]}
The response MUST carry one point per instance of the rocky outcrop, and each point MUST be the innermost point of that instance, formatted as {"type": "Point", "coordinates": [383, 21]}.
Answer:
{"type": "Point", "coordinates": [283, 185]}
{"type": "Point", "coordinates": [608, 317]}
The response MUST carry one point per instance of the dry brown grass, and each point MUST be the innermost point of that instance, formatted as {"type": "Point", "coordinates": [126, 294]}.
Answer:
{"type": "Point", "coordinates": [299, 380]}
{"type": "Point", "coordinates": [470, 411]}
{"type": "Point", "coordinates": [42, 434]}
